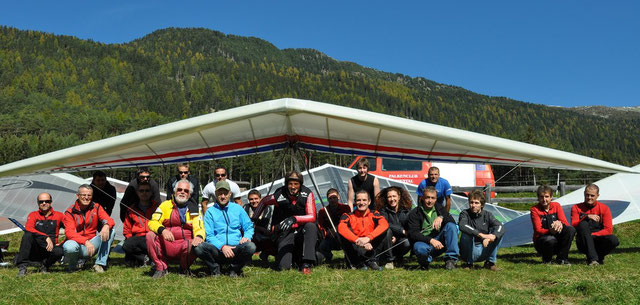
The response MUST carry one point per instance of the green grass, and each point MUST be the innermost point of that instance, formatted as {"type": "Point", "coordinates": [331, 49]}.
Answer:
{"type": "Point", "coordinates": [521, 280]}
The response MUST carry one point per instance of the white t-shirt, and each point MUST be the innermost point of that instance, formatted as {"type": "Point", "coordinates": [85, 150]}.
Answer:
{"type": "Point", "coordinates": [209, 191]}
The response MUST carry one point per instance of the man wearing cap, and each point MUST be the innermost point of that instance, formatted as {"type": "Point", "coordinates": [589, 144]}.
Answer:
{"type": "Point", "coordinates": [40, 240]}
{"type": "Point", "coordinates": [175, 227]}
{"type": "Point", "coordinates": [229, 231]}
{"type": "Point", "coordinates": [294, 217]}
{"type": "Point", "coordinates": [209, 191]}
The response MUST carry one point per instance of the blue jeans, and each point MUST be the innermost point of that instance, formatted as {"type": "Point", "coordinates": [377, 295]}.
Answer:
{"type": "Point", "coordinates": [448, 236]}
{"type": "Point", "coordinates": [471, 252]}
{"type": "Point", "coordinates": [72, 250]}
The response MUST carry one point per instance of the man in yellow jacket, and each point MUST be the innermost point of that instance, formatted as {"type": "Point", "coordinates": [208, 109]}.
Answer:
{"type": "Point", "coordinates": [175, 228]}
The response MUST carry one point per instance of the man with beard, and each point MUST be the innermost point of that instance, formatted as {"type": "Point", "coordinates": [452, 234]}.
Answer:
{"type": "Point", "coordinates": [295, 216]}
{"type": "Point", "coordinates": [175, 227]}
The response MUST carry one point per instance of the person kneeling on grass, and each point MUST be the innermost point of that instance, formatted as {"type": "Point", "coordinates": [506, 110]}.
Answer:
{"type": "Point", "coordinates": [433, 231]}
{"type": "Point", "coordinates": [175, 227]}
{"type": "Point", "coordinates": [81, 223]}
{"type": "Point", "coordinates": [364, 234]}
{"type": "Point", "coordinates": [40, 240]}
{"type": "Point", "coordinates": [481, 233]}
{"type": "Point", "coordinates": [136, 227]}
{"type": "Point", "coordinates": [229, 231]}
{"type": "Point", "coordinates": [552, 234]}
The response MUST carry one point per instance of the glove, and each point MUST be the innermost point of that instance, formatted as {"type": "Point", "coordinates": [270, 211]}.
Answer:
{"type": "Point", "coordinates": [286, 224]}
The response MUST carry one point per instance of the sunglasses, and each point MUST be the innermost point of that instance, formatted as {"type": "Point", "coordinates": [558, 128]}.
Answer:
{"type": "Point", "coordinates": [221, 175]}
{"type": "Point", "coordinates": [182, 190]}
{"type": "Point", "coordinates": [183, 173]}
{"type": "Point", "coordinates": [44, 201]}
{"type": "Point", "coordinates": [144, 191]}
{"type": "Point", "coordinates": [145, 177]}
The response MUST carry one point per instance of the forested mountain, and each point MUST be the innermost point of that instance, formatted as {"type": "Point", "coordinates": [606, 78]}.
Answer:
{"type": "Point", "coordinates": [57, 91]}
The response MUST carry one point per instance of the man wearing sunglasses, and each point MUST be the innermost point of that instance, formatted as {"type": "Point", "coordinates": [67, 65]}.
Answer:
{"type": "Point", "coordinates": [175, 229]}
{"type": "Point", "coordinates": [40, 240]}
{"type": "Point", "coordinates": [209, 191]}
{"type": "Point", "coordinates": [184, 173]}
{"type": "Point", "coordinates": [130, 197]}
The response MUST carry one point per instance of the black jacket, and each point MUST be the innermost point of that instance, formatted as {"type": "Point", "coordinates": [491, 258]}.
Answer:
{"type": "Point", "coordinates": [106, 197]}
{"type": "Point", "coordinates": [484, 222]}
{"type": "Point", "coordinates": [168, 188]}
{"type": "Point", "coordinates": [416, 218]}
{"type": "Point", "coordinates": [397, 220]}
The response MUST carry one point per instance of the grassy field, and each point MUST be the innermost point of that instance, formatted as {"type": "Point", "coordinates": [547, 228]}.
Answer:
{"type": "Point", "coordinates": [521, 280]}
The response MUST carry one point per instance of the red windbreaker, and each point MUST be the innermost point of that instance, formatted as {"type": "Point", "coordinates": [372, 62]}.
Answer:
{"type": "Point", "coordinates": [136, 223]}
{"type": "Point", "coordinates": [581, 210]}
{"type": "Point", "coordinates": [40, 224]}
{"type": "Point", "coordinates": [358, 224]}
{"type": "Point", "coordinates": [537, 213]}
{"type": "Point", "coordinates": [81, 226]}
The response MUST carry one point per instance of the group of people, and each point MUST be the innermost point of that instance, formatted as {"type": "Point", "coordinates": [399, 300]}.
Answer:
{"type": "Point", "coordinates": [375, 228]}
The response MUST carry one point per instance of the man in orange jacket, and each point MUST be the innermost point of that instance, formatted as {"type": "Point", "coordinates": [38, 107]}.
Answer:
{"type": "Point", "coordinates": [81, 222]}
{"type": "Point", "coordinates": [364, 234]}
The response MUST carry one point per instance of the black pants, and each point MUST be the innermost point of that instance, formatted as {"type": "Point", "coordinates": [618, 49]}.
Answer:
{"type": "Point", "coordinates": [357, 255]}
{"type": "Point", "coordinates": [298, 244]}
{"type": "Point", "coordinates": [135, 248]}
{"type": "Point", "coordinates": [397, 253]}
{"type": "Point", "coordinates": [558, 244]}
{"type": "Point", "coordinates": [595, 247]}
{"type": "Point", "coordinates": [213, 258]}
{"type": "Point", "coordinates": [33, 248]}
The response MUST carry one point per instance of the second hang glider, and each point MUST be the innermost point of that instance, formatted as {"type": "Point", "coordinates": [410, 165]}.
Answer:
{"type": "Point", "coordinates": [277, 124]}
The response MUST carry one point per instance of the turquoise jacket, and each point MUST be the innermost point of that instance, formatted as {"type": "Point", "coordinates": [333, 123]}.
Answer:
{"type": "Point", "coordinates": [225, 226]}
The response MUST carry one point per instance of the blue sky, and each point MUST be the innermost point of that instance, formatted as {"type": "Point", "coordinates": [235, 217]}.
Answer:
{"type": "Point", "coordinates": [565, 53]}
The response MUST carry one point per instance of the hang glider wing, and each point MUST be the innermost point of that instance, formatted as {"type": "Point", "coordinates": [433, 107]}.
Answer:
{"type": "Point", "coordinates": [276, 124]}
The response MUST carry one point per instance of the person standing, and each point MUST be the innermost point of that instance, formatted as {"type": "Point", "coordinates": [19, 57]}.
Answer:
{"type": "Point", "coordinates": [363, 181]}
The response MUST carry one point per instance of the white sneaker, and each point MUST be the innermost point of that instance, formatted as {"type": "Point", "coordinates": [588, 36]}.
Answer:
{"type": "Point", "coordinates": [389, 266]}
{"type": "Point", "coordinates": [98, 269]}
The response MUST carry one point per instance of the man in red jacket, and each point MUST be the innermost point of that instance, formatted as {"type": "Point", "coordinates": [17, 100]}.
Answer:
{"type": "Point", "coordinates": [364, 234]}
{"type": "Point", "coordinates": [594, 227]}
{"type": "Point", "coordinates": [89, 230]}
{"type": "Point", "coordinates": [40, 241]}
{"type": "Point", "coordinates": [136, 227]}
{"type": "Point", "coordinates": [552, 233]}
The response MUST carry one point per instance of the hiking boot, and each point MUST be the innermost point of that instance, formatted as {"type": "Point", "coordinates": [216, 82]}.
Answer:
{"type": "Point", "coordinates": [424, 266]}
{"type": "Point", "coordinates": [363, 267]}
{"type": "Point", "coordinates": [373, 265]}
{"type": "Point", "coordinates": [145, 261]}
{"type": "Point", "coordinates": [81, 263]}
{"type": "Point", "coordinates": [563, 262]}
{"type": "Point", "coordinates": [234, 274]}
{"type": "Point", "coordinates": [389, 266]}
{"type": "Point", "coordinates": [22, 270]}
{"type": "Point", "coordinates": [467, 266]}
{"type": "Point", "coordinates": [159, 274]}
{"type": "Point", "coordinates": [186, 272]}
{"type": "Point", "coordinates": [43, 269]}
{"type": "Point", "coordinates": [490, 266]}
{"type": "Point", "coordinates": [450, 264]}
{"type": "Point", "coordinates": [98, 269]}
{"type": "Point", "coordinates": [306, 269]}
{"type": "Point", "coordinates": [593, 263]}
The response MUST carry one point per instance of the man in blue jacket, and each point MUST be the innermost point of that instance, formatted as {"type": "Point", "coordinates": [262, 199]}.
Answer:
{"type": "Point", "coordinates": [229, 231]}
